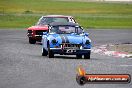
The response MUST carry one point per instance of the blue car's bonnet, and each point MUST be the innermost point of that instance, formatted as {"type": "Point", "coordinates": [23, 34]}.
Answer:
{"type": "Point", "coordinates": [68, 38]}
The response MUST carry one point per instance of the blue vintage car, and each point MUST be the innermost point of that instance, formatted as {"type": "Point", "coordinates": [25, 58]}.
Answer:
{"type": "Point", "coordinates": [66, 39]}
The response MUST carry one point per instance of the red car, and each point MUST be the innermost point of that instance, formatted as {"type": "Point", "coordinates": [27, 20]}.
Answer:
{"type": "Point", "coordinates": [35, 32]}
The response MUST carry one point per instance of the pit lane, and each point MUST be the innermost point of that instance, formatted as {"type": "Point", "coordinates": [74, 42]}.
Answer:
{"type": "Point", "coordinates": [22, 66]}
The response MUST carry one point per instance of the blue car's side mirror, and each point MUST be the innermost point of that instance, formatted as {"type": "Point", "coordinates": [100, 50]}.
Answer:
{"type": "Point", "coordinates": [86, 34]}
{"type": "Point", "coordinates": [45, 33]}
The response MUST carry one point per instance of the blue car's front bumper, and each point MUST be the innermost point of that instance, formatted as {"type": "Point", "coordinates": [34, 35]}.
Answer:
{"type": "Point", "coordinates": [70, 51]}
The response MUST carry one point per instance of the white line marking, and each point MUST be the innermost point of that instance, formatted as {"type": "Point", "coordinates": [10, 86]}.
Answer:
{"type": "Point", "coordinates": [125, 65]}
{"type": "Point", "coordinates": [130, 58]}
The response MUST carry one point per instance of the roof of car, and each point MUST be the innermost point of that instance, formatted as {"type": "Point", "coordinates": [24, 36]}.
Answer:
{"type": "Point", "coordinates": [63, 24]}
{"type": "Point", "coordinates": [56, 16]}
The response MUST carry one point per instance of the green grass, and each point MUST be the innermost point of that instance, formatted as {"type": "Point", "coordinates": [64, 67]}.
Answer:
{"type": "Point", "coordinates": [88, 14]}
{"type": "Point", "coordinates": [13, 21]}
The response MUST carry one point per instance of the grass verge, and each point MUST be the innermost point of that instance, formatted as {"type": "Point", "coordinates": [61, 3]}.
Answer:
{"type": "Point", "coordinates": [88, 14]}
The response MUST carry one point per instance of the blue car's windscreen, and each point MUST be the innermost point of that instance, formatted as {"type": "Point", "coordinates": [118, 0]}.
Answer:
{"type": "Point", "coordinates": [66, 29]}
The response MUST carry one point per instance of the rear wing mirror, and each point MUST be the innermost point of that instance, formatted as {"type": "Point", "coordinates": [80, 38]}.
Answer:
{"type": "Point", "coordinates": [86, 34]}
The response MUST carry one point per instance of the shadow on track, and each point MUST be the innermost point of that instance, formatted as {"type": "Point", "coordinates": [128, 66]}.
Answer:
{"type": "Point", "coordinates": [69, 57]}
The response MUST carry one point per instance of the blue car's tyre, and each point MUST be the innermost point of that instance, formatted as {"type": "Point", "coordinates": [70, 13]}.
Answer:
{"type": "Point", "coordinates": [44, 52]}
{"type": "Point", "coordinates": [78, 56]}
{"type": "Point", "coordinates": [87, 56]}
{"type": "Point", "coordinates": [50, 53]}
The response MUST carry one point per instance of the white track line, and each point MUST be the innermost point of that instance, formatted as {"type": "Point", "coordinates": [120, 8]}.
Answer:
{"type": "Point", "coordinates": [130, 58]}
{"type": "Point", "coordinates": [126, 65]}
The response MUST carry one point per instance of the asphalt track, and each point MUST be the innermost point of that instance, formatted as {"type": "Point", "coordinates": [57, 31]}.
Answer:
{"type": "Point", "coordinates": [22, 66]}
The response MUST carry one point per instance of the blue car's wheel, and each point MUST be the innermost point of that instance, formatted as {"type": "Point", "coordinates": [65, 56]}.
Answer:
{"type": "Point", "coordinates": [87, 56]}
{"type": "Point", "coordinates": [50, 53]}
{"type": "Point", "coordinates": [44, 52]}
{"type": "Point", "coordinates": [78, 56]}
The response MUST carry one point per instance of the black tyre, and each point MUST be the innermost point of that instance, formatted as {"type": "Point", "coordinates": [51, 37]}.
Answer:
{"type": "Point", "coordinates": [78, 56]}
{"type": "Point", "coordinates": [87, 56]}
{"type": "Point", "coordinates": [44, 52]}
{"type": "Point", "coordinates": [50, 53]}
{"type": "Point", "coordinates": [32, 41]}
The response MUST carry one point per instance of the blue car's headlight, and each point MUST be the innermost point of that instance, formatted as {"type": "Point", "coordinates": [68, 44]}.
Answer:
{"type": "Point", "coordinates": [87, 42]}
{"type": "Point", "coordinates": [54, 41]}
